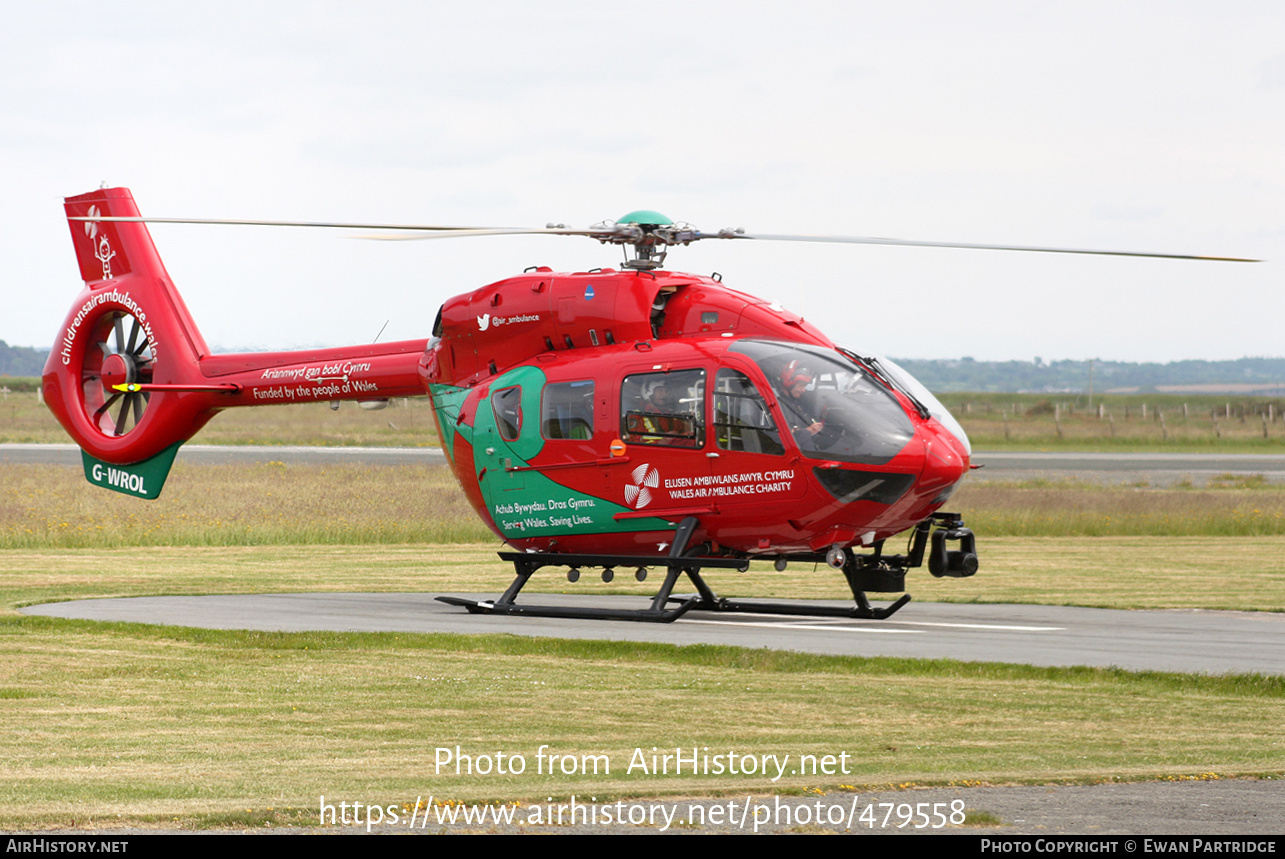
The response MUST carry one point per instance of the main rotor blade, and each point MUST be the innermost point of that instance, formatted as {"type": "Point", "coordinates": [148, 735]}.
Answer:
{"type": "Point", "coordinates": [437, 230]}
{"type": "Point", "coordinates": [628, 233]}
{"type": "Point", "coordinates": [463, 232]}
{"type": "Point", "coordinates": [244, 223]}
{"type": "Point", "coordinates": [862, 240]}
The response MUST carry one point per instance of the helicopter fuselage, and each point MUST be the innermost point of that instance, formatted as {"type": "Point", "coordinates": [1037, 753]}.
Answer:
{"type": "Point", "coordinates": [592, 411]}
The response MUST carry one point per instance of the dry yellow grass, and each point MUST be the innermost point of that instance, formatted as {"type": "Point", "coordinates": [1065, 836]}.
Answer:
{"type": "Point", "coordinates": [1243, 507]}
{"type": "Point", "coordinates": [1169, 422]}
{"type": "Point", "coordinates": [272, 503]}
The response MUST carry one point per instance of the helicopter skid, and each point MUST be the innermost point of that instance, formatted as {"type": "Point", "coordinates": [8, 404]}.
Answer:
{"type": "Point", "coordinates": [641, 615]}
{"type": "Point", "coordinates": [527, 563]}
{"type": "Point", "coordinates": [863, 610]}
{"type": "Point", "coordinates": [684, 605]}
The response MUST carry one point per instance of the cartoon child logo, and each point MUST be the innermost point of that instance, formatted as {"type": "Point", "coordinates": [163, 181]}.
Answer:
{"type": "Point", "coordinates": [103, 250]}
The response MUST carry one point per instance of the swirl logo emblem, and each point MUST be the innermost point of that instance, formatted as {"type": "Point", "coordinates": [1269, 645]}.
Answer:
{"type": "Point", "coordinates": [645, 478]}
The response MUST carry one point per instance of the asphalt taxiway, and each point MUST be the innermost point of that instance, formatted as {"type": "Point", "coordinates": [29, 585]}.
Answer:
{"type": "Point", "coordinates": [1212, 642]}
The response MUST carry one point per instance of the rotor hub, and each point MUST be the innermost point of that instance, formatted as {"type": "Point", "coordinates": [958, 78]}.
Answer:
{"type": "Point", "coordinates": [118, 369]}
{"type": "Point", "coordinates": [649, 233]}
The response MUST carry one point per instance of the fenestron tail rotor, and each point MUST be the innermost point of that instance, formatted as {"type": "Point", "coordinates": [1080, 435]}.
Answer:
{"type": "Point", "coordinates": [117, 361]}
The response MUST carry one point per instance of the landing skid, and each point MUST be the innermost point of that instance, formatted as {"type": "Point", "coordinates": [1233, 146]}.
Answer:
{"type": "Point", "coordinates": [642, 615]}
{"type": "Point", "coordinates": [666, 608]}
{"type": "Point", "coordinates": [863, 609]}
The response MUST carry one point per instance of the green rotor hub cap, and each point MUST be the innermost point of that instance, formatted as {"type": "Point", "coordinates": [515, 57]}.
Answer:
{"type": "Point", "coordinates": [645, 216]}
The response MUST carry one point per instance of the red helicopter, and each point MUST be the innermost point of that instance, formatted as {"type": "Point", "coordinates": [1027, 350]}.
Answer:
{"type": "Point", "coordinates": [618, 418]}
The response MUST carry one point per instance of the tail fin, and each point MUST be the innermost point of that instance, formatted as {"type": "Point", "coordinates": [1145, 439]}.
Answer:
{"type": "Point", "coordinates": [128, 327]}
{"type": "Point", "coordinates": [109, 250]}
{"type": "Point", "coordinates": [123, 253]}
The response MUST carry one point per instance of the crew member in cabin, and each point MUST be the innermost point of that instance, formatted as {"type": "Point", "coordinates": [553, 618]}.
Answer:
{"type": "Point", "coordinates": [805, 416]}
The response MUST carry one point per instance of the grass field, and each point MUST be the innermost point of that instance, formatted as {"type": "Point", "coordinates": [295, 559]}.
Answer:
{"type": "Point", "coordinates": [1160, 422]}
{"type": "Point", "coordinates": [125, 724]}
{"type": "Point", "coordinates": [119, 724]}
{"type": "Point", "coordinates": [107, 725]}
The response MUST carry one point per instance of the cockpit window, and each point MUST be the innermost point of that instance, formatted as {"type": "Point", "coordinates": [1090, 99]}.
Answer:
{"type": "Point", "coordinates": [831, 407]}
{"type": "Point", "coordinates": [741, 417]}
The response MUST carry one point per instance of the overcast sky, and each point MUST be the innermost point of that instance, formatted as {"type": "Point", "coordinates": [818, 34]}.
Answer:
{"type": "Point", "coordinates": [1155, 126]}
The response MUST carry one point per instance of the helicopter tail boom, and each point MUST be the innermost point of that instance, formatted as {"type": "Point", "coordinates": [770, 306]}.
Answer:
{"type": "Point", "coordinates": [131, 378]}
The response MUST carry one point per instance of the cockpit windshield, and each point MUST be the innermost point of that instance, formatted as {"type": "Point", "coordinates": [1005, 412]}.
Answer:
{"type": "Point", "coordinates": [917, 391]}
{"type": "Point", "coordinates": [832, 407]}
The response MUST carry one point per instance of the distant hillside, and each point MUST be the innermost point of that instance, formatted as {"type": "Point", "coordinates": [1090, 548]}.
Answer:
{"type": "Point", "coordinates": [1248, 376]}
{"type": "Point", "coordinates": [21, 360]}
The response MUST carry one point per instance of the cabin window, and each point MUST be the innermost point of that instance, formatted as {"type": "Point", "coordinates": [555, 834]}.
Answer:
{"type": "Point", "coordinates": [664, 408]}
{"type": "Point", "coordinates": [741, 417]}
{"type": "Point", "coordinates": [507, 406]}
{"type": "Point", "coordinates": [566, 410]}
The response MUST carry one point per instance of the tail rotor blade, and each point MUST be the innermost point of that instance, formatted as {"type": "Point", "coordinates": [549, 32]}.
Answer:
{"type": "Point", "coordinates": [133, 336]}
